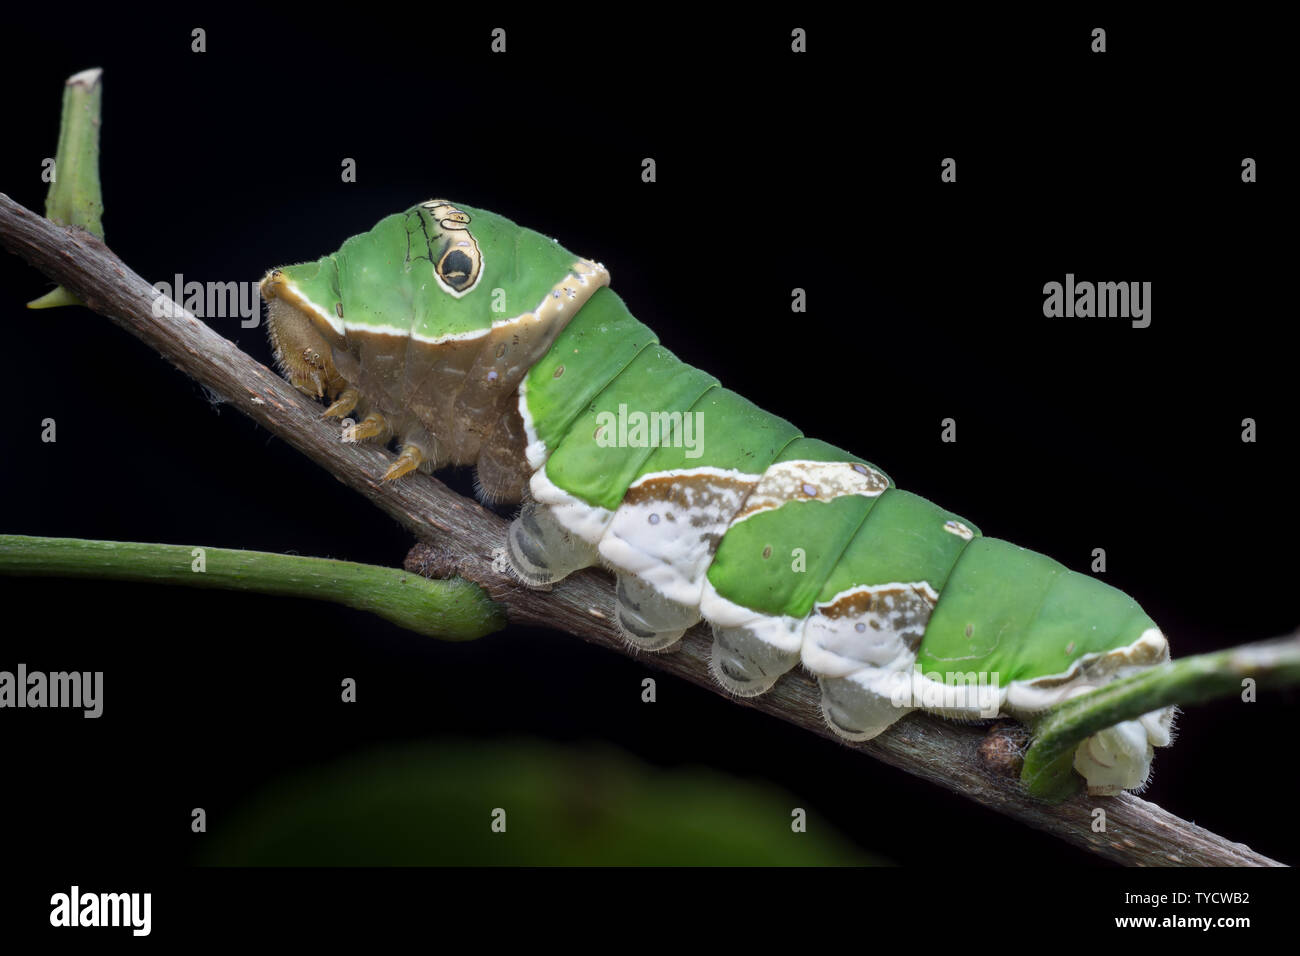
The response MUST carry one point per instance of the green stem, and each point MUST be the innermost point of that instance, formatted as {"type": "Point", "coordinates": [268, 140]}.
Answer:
{"type": "Point", "coordinates": [1048, 772]}
{"type": "Point", "coordinates": [75, 197]}
{"type": "Point", "coordinates": [452, 610]}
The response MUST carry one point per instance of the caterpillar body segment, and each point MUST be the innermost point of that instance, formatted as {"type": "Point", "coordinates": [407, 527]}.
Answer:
{"type": "Point", "coordinates": [470, 340]}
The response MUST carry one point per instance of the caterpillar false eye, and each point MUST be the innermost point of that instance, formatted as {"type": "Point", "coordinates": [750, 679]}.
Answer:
{"type": "Point", "coordinates": [705, 506]}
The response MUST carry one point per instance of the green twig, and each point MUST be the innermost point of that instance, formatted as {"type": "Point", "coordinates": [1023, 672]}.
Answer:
{"type": "Point", "coordinates": [75, 197]}
{"type": "Point", "coordinates": [1048, 765]}
{"type": "Point", "coordinates": [451, 610]}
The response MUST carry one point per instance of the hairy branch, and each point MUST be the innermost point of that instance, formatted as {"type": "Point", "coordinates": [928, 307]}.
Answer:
{"type": "Point", "coordinates": [460, 537]}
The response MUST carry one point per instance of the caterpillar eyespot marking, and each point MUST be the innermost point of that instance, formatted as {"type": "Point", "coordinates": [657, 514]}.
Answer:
{"type": "Point", "coordinates": [627, 457]}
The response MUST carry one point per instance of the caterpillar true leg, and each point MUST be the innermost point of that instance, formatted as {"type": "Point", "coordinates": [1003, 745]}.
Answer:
{"type": "Point", "coordinates": [374, 426]}
{"type": "Point", "coordinates": [409, 460]}
{"type": "Point", "coordinates": [344, 404]}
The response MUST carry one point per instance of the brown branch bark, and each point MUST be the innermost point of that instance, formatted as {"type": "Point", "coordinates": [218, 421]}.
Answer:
{"type": "Point", "coordinates": [459, 536]}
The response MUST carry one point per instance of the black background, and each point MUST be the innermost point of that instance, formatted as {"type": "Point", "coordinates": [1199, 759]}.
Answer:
{"type": "Point", "coordinates": [774, 171]}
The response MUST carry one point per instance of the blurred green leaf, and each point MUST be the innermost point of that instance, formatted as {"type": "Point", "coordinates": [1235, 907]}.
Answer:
{"type": "Point", "coordinates": [433, 805]}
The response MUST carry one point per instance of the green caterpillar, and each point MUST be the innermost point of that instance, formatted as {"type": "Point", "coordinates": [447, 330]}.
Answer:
{"type": "Point", "coordinates": [474, 341]}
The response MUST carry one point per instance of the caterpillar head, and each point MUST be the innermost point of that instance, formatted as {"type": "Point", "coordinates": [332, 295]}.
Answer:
{"type": "Point", "coordinates": [425, 325]}
{"type": "Point", "coordinates": [301, 339]}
